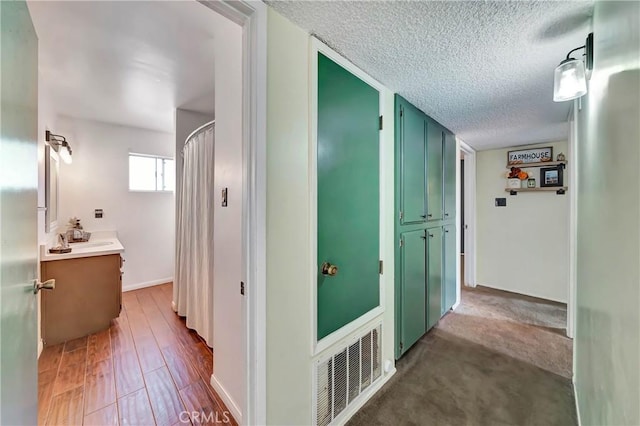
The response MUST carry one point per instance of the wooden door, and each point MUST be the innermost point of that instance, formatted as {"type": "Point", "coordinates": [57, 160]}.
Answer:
{"type": "Point", "coordinates": [18, 210]}
{"type": "Point", "coordinates": [348, 164]}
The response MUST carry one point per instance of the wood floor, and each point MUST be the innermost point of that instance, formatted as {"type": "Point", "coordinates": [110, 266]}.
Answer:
{"type": "Point", "coordinates": [146, 369]}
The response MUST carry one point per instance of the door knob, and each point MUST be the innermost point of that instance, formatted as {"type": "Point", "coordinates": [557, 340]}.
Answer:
{"type": "Point", "coordinates": [47, 285]}
{"type": "Point", "coordinates": [329, 269]}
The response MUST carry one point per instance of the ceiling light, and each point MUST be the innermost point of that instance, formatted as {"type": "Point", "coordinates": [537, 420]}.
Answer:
{"type": "Point", "coordinates": [570, 79]}
{"type": "Point", "coordinates": [60, 145]}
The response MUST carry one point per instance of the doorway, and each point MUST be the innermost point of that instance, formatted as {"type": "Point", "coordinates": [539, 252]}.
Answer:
{"type": "Point", "coordinates": [467, 200]}
{"type": "Point", "coordinates": [249, 131]}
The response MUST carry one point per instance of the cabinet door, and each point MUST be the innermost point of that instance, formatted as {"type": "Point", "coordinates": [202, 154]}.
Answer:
{"type": "Point", "coordinates": [434, 276]}
{"type": "Point", "coordinates": [449, 174]}
{"type": "Point", "coordinates": [348, 166]}
{"type": "Point", "coordinates": [449, 265]}
{"type": "Point", "coordinates": [413, 258]}
{"type": "Point", "coordinates": [413, 172]}
{"type": "Point", "coordinates": [434, 171]}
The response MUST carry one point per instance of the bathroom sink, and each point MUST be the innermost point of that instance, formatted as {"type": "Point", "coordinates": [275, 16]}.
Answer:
{"type": "Point", "coordinates": [90, 245]}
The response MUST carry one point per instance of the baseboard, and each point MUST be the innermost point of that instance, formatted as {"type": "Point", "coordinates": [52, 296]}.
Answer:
{"type": "Point", "coordinates": [146, 284]}
{"type": "Point", "coordinates": [40, 347]}
{"type": "Point", "coordinates": [226, 398]}
{"type": "Point", "coordinates": [352, 409]}
{"type": "Point", "coordinates": [575, 398]}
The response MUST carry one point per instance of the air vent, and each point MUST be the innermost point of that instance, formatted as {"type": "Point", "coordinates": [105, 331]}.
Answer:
{"type": "Point", "coordinates": [341, 378]}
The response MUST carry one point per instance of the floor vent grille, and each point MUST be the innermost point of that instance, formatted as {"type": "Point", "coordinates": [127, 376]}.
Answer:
{"type": "Point", "coordinates": [341, 378]}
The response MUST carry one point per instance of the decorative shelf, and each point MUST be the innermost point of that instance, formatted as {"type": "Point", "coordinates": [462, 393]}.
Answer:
{"type": "Point", "coordinates": [560, 190]}
{"type": "Point", "coordinates": [543, 164]}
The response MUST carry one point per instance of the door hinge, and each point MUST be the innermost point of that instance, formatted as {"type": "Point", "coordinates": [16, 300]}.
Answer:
{"type": "Point", "coordinates": [401, 242]}
{"type": "Point", "coordinates": [401, 345]}
{"type": "Point", "coordinates": [380, 267]}
{"type": "Point", "coordinates": [401, 111]}
{"type": "Point", "coordinates": [242, 288]}
{"type": "Point", "coordinates": [380, 122]}
{"type": "Point", "coordinates": [400, 215]}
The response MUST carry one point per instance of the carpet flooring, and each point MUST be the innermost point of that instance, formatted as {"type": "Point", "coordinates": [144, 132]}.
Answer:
{"type": "Point", "coordinates": [499, 359]}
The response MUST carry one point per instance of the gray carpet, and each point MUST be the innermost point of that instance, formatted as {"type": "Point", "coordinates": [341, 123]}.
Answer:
{"type": "Point", "coordinates": [499, 359]}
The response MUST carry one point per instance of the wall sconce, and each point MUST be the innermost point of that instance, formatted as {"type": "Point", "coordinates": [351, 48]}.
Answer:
{"type": "Point", "coordinates": [570, 77]}
{"type": "Point", "coordinates": [60, 145]}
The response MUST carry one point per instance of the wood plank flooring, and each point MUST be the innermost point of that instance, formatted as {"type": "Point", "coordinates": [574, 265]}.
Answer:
{"type": "Point", "coordinates": [148, 368]}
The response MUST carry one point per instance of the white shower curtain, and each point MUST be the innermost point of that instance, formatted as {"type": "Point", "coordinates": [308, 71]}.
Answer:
{"type": "Point", "coordinates": [193, 282]}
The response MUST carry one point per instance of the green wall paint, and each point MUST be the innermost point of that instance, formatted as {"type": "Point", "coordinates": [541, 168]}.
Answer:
{"type": "Point", "coordinates": [348, 196]}
{"type": "Point", "coordinates": [607, 333]}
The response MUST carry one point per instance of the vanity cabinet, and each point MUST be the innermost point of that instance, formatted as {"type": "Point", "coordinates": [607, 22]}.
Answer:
{"type": "Point", "coordinates": [88, 295]}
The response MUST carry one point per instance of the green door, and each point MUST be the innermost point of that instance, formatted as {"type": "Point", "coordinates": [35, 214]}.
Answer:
{"type": "Point", "coordinates": [449, 262]}
{"type": "Point", "coordinates": [434, 276]}
{"type": "Point", "coordinates": [413, 173]}
{"type": "Point", "coordinates": [434, 171]}
{"type": "Point", "coordinates": [348, 197]}
{"type": "Point", "coordinates": [18, 209]}
{"type": "Point", "coordinates": [449, 173]}
{"type": "Point", "coordinates": [414, 275]}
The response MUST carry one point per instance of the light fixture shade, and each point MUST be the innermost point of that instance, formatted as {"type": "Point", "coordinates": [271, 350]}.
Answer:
{"type": "Point", "coordinates": [569, 80]}
{"type": "Point", "coordinates": [65, 154]}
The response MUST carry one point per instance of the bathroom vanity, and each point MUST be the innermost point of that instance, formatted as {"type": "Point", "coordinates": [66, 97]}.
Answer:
{"type": "Point", "coordinates": [88, 291]}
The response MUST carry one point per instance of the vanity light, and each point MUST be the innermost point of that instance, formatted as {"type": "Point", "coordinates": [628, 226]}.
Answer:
{"type": "Point", "coordinates": [570, 77]}
{"type": "Point", "coordinates": [60, 145]}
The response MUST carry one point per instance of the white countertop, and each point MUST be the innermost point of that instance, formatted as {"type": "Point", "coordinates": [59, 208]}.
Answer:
{"type": "Point", "coordinates": [100, 244]}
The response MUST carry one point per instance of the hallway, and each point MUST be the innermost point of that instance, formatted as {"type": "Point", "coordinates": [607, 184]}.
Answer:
{"type": "Point", "coordinates": [500, 358]}
{"type": "Point", "coordinates": [148, 368]}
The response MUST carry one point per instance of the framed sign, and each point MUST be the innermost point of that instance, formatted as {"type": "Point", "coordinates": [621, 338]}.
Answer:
{"type": "Point", "coordinates": [532, 155]}
{"type": "Point", "coordinates": [551, 176]}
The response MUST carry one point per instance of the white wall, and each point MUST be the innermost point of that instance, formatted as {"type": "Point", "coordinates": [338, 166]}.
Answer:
{"type": "Point", "coordinates": [98, 178]}
{"type": "Point", "coordinates": [607, 342]}
{"type": "Point", "coordinates": [523, 247]}
{"type": "Point", "coordinates": [290, 285]}
{"type": "Point", "coordinates": [228, 312]}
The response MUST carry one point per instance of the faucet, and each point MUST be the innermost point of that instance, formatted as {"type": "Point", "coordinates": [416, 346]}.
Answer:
{"type": "Point", "coordinates": [63, 240]}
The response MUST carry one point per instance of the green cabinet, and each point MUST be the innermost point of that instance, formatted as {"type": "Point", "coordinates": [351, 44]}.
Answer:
{"type": "Point", "coordinates": [413, 258]}
{"type": "Point", "coordinates": [413, 194]}
{"type": "Point", "coordinates": [449, 153]}
{"type": "Point", "coordinates": [434, 171]}
{"type": "Point", "coordinates": [434, 276]}
{"type": "Point", "coordinates": [348, 197]}
{"type": "Point", "coordinates": [449, 274]}
{"type": "Point", "coordinates": [425, 203]}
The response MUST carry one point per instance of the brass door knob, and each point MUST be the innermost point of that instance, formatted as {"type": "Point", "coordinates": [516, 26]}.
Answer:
{"type": "Point", "coordinates": [329, 269]}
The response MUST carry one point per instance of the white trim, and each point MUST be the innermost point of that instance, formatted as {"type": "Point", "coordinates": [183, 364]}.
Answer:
{"type": "Point", "coordinates": [573, 183]}
{"type": "Point", "coordinates": [252, 16]}
{"type": "Point", "coordinates": [575, 398]}
{"type": "Point", "coordinates": [470, 254]}
{"type": "Point", "coordinates": [146, 284]}
{"type": "Point", "coordinates": [362, 399]}
{"type": "Point", "coordinates": [226, 398]}
{"type": "Point", "coordinates": [316, 46]}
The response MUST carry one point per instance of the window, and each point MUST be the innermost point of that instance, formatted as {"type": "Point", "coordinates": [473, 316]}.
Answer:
{"type": "Point", "coordinates": [149, 173]}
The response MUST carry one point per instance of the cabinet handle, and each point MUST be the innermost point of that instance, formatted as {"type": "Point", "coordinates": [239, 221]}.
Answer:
{"type": "Point", "coordinates": [424, 216]}
{"type": "Point", "coordinates": [446, 231]}
{"type": "Point", "coordinates": [430, 235]}
{"type": "Point", "coordinates": [430, 215]}
{"type": "Point", "coordinates": [446, 215]}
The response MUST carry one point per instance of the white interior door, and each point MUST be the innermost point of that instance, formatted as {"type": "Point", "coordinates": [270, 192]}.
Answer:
{"type": "Point", "coordinates": [18, 210]}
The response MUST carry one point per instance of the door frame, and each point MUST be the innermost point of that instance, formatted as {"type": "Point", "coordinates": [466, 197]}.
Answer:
{"type": "Point", "coordinates": [251, 15]}
{"type": "Point", "coordinates": [317, 46]}
{"type": "Point", "coordinates": [470, 237]}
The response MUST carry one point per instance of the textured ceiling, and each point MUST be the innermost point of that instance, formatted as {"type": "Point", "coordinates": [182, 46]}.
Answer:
{"type": "Point", "coordinates": [483, 69]}
{"type": "Point", "coordinates": [129, 63]}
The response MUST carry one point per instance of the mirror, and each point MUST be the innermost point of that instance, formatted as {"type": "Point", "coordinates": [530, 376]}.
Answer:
{"type": "Point", "coordinates": [51, 166]}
